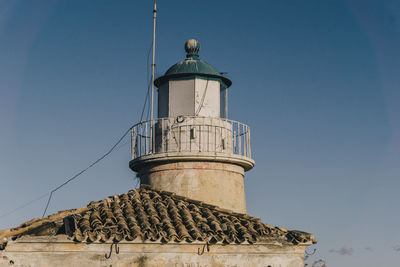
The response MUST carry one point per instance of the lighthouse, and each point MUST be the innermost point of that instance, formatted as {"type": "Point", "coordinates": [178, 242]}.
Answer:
{"type": "Point", "coordinates": [190, 209]}
{"type": "Point", "coordinates": [192, 148]}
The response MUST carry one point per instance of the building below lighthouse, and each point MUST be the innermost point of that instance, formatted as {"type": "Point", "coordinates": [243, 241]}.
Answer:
{"type": "Point", "coordinates": [190, 209]}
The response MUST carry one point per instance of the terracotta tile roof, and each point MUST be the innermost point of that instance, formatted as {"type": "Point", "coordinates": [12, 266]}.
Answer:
{"type": "Point", "coordinates": [150, 215]}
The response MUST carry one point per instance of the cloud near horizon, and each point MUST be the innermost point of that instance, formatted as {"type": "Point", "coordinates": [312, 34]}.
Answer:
{"type": "Point", "coordinates": [396, 248]}
{"type": "Point", "coordinates": [343, 250]}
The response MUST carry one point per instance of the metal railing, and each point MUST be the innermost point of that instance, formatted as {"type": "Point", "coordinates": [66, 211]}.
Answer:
{"type": "Point", "coordinates": [190, 134]}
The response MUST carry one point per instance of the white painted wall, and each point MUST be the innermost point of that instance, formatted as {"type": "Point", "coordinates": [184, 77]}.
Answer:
{"type": "Point", "coordinates": [199, 97]}
{"type": "Point", "coordinates": [210, 107]}
{"type": "Point", "coordinates": [53, 251]}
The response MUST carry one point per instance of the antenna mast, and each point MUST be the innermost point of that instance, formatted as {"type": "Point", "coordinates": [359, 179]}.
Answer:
{"type": "Point", "coordinates": [153, 63]}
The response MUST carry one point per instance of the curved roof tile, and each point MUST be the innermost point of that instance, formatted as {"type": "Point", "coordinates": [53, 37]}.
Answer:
{"type": "Point", "coordinates": [152, 215]}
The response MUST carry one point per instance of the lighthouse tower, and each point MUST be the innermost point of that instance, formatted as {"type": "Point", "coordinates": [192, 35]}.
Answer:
{"type": "Point", "coordinates": [190, 209]}
{"type": "Point", "coordinates": [192, 148]}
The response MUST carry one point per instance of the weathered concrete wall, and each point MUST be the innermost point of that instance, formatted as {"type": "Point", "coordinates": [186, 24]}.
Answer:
{"type": "Point", "coordinates": [48, 253]}
{"type": "Point", "coordinates": [215, 183]}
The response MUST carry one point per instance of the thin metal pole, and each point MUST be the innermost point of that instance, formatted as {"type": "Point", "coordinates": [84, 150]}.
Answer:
{"type": "Point", "coordinates": [153, 62]}
{"type": "Point", "coordinates": [152, 133]}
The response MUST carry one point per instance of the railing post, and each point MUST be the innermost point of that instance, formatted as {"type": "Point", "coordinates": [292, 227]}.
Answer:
{"type": "Point", "coordinates": [244, 140]}
{"type": "Point", "coordinates": [179, 138]}
{"type": "Point", "coordinates": [140, 139]}
{"type": "Point", "coordinates": [200, 137]}
{"type": "Point", "coordinates": [208, 138]}
{"type": "Point", "coordinates": [234, 149]}
{"type": "Point", "coordinates": [132, 146]}
{"type": "Point", "coordinates": [215, 138]}
{"type": "Point", "coordinates": [240, 139]}
{"type": "Point", "coordinates": [168, 132]}
{"type": "Point", "coordinates": [249, 144]}
{"type": "Point", "coordinates": [145, 138]}
{"type": "Point", "coordinates": [153, 134]}
{"type": "Point", "coordinates": [162, 135]}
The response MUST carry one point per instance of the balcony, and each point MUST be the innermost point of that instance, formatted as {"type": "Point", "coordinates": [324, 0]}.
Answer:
{"type": "Point", "coordinates": [188, 137]}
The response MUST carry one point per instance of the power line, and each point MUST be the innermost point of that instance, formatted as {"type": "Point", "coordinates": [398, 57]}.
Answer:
{"type": "Point", "coordinates": [145, 102]}
{"type": "Point", "coordinates": [148, 84]}
{"type": "Point", "coordinates": [148, 63]}
{"type": "Point", "coordinates": [95, 162]}
{"type": "Point", "coordinates": [24, 205]}
{"type": "Point", "coordinates": [69, 180]}
{"type": "Point", "coordinates": [82, 171]}
{"type": "Point", "coordinates": [202, 100]}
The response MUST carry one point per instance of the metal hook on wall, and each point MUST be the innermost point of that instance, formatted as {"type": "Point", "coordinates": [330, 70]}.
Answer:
{"type": "Point", "coordinates": [206, 245]}
{"type": "Point", "coordinates": [116, 248]}
{"type": "Point", "coordinates": [111, 247]}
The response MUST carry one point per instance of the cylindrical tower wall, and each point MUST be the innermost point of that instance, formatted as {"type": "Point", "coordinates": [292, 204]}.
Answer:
{"type": "Point", "coordinates": [215, 183]}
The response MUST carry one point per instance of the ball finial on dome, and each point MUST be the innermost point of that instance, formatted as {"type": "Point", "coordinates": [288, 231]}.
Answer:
{"type": "Point", "coordinates": [192, 47]}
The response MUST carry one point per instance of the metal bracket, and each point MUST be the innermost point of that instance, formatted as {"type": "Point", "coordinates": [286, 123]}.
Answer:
{"type": "Point", "coordinates": [116, 250]}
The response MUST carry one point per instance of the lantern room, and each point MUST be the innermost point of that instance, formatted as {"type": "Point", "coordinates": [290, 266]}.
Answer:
{"type": "Point", "coordinates": [192, 87]}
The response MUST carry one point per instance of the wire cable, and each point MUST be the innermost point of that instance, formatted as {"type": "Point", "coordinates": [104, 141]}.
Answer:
{"type": "Point", "coordinates": [24, 205]}
{"type": "Point", "coordinates": [202, 100]}
{"type": "Point", "coordinates": [148, 85]}
{"type": "Point", "coordinates": [95, 162]}
{"type": "Point", "coordinates": [145, 102]}
{"type": "Point", "coordinates": [82, 171]}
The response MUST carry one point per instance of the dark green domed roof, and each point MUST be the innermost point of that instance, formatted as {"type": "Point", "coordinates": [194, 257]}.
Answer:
{"type": "Point", "coordinates": [192, 66]}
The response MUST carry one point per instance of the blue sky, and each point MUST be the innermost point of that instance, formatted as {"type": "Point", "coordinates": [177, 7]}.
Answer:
{"type": "Point", "coordinates": [317, 82]}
